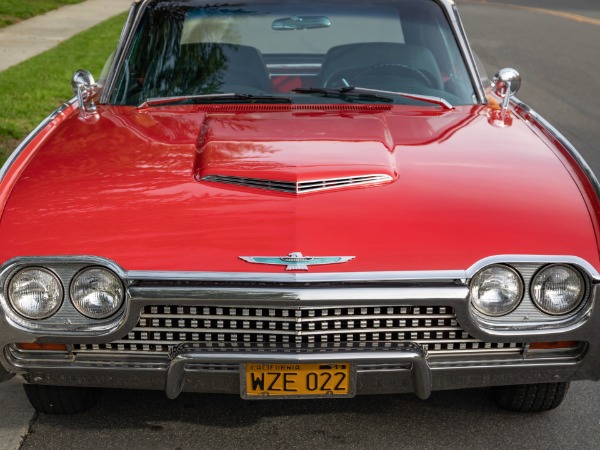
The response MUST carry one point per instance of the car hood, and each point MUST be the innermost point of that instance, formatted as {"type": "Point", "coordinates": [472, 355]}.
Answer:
{"type": "Point", "coordinates": [132, 187]}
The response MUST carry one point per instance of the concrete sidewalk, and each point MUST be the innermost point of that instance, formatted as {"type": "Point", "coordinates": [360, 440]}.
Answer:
{"type": "Point", "coordinates": [33, 36]}
{"type": "Point", "coordinates": [16, 415]}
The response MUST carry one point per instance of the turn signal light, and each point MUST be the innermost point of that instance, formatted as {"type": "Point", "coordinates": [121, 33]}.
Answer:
{"type": "Point", "coordinates": [553, 345]}
{"type": "Point", "coordinates": [45, 347]}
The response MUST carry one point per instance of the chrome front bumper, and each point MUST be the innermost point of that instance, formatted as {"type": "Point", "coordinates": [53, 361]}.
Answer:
{"type": "Point", "coordinates": [409, 354]}
{"type": "Point", "coordinates": [403, 369]}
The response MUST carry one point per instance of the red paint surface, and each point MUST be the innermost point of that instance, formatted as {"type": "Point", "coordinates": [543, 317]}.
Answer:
{"type": "Point", "coordinates": [14, 171]}
{"type": "Point", "coordinates": [124, 188]}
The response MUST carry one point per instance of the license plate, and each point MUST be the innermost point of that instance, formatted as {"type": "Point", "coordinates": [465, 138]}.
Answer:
{"type": "Point", "coordinates": [296, 380]}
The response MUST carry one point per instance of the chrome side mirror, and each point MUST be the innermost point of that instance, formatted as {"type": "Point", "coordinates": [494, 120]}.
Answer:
{"type": "Point", "coordinates": [84, 87]}
{"type": "Point", "coordinates": [506, 83]}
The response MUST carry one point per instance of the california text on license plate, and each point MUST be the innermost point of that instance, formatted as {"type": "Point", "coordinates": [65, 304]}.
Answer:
{"type": "Point", "coordinates": [296, 380]}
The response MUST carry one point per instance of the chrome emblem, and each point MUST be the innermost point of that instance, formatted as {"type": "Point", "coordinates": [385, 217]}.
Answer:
{"type": "Point", "coordinates": [297, 261]}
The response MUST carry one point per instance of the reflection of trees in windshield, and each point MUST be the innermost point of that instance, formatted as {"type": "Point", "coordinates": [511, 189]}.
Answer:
{"type": "Point", "coordinates": [181, 55]}
{"type": "Point", "coordinates": [197, 69]}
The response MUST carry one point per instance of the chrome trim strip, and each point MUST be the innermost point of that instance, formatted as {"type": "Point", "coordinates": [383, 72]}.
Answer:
{"type": "Point", "coordinates": [341, 277]}
{"type": "Point", "coordinates": [453, 276]}
{"type": "Point", "coordinates": [374, 277]}
{"type": "Point", "coordinates": [467, 52]}
{"type": "Point", "coordinates": [245, 296]}
{"type": "Point", "coordinates": [564, 141]}
{"type": "Point", "coordinates": [16, 263]}
{"type": "Point", "coordinates": [125, 40]}
{"type": "Point", "coordinates": [301, 187]}
{"type": "Point", "coordinates": [17, 152]}
{"type": "Point", "coordinates": [542, 259]}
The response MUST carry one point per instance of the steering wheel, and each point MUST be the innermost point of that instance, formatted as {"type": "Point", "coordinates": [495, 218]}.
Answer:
{"type": "Point", "coordinates": [380, 69]}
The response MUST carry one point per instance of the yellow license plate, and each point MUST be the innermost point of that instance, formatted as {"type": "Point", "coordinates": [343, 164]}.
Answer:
{"type": "Point", "coordinates": [296, 380]}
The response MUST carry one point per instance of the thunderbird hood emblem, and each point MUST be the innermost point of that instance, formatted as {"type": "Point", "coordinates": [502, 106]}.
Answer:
{"type": "Point", "coordinates": [297, 261]}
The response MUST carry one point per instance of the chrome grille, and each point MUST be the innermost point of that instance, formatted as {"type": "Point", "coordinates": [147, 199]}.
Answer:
{"type": "Point", "coordinates": [160, 328]}
{"type": "Point", "coordinates": [301, 186]}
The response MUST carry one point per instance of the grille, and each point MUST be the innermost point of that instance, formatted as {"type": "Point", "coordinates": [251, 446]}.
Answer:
{"type": "Point", "coordinates": [302, 186]}
{"type": "Point", "coordinates": [160, 328]}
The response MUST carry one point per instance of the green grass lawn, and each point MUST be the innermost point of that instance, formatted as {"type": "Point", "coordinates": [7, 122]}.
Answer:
{"type": "Point", "coordinates": [12, 11]}
{"type": "Point", "coordinates": [33, 89]}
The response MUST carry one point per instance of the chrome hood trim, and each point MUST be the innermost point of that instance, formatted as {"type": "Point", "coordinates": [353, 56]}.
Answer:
{"type": "Point", "coordinates": [301, 187]}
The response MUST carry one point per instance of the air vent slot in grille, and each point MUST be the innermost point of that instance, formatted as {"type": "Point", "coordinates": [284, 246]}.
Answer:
{"type": "Point", "coordinates": [301, 187]}
{"type": "Point", "coordinates": [265, 329]}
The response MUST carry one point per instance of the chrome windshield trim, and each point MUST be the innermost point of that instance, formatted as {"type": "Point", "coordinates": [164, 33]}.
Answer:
{"type": "Point", "coordinates": [564, 141]}
{"type": "Point", "coordinates": [467, 52]}
{"type": "Point", "coordinates": [126, 38]}
{"type": "Point", "coordinates": [17, 152]}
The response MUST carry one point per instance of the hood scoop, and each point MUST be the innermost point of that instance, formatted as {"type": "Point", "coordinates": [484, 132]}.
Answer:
{"type": "Point", "coordinates": [301, 187]}
{"type": "Point", "coordinates": [294, 154]}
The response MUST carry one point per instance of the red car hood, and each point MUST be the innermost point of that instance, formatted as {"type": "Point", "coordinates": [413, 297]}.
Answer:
{"type": "Point", "coordinates": [127, 188]}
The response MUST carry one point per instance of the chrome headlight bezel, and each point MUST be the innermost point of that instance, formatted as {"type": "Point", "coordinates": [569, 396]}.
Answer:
{"type": "Point", "coordinates": [479, 277]}
{"type": "Point", "coordinates": [578, 300]}
{"type": "Point", "coordinates": [58, 287]}
{"type": "Point", "coordinates": [78, 301]}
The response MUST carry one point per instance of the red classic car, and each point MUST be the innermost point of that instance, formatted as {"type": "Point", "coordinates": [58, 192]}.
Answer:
{"type": "Point", "coordinates": [297, 199]}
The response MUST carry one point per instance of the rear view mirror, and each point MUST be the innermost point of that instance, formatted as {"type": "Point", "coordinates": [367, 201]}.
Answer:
{"type": "Point", "coordinates": [301, 23]}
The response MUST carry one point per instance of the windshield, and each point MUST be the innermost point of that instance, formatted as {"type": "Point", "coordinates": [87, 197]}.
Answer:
{"type": "Point", "coordinates": [301, 51]}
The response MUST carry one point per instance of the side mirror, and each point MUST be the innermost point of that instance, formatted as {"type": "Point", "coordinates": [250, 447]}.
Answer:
{"type": "Point", "coordinates": [506, 83]}
{"type": "Point", "coordinates": [84, 87]}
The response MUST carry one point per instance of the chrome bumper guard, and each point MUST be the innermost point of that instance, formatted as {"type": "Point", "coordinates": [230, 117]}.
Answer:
{"type": "Point", "coordinates": [408, 353]}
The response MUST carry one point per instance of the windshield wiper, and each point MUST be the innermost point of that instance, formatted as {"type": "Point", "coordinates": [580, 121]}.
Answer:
{"type": "Point", "coordinates": [344, 92]}
{"type": "Point", "coordinates": [365, 92]}
{"type": "Point", "coordinates": [215, 98]}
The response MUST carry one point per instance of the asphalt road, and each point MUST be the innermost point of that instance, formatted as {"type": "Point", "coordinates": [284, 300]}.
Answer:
{"type": "Point", "coordinates": [559, 58]}
{"type": "Point", "coordinates": [557, 53]}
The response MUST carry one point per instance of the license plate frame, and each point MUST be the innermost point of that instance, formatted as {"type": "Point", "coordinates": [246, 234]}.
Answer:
{"type": "Point", "coordinates": [300, 380]}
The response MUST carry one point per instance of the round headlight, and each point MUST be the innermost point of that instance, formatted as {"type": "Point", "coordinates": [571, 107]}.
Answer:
{"type": "Point", "coordinates": [557, 289]}
{"type": "Point", "coordinates": [496, 290]}
{"type": "Point", "coordinates": [35, 293]}
{"type": "Point", "coordinates": [97, 293]}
